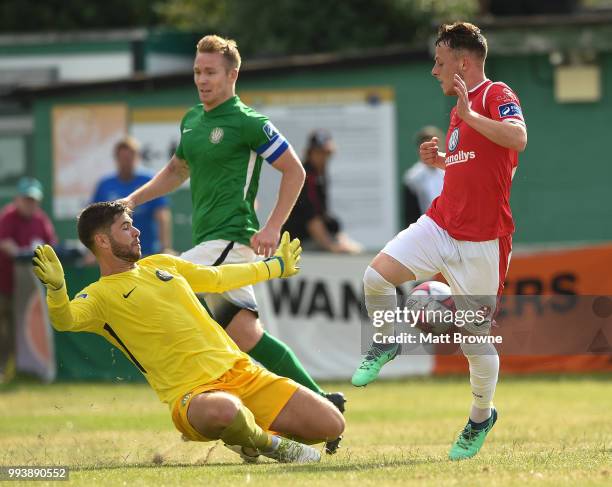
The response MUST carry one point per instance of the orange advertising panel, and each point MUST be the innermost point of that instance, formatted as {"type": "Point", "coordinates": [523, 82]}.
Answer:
{"type": "Point", "coordinates": [567, 329]}
{"type": "Point", "coordinates": [582, 271]}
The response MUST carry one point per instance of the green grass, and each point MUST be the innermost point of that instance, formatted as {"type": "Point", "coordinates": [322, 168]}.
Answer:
{"type": "Point", "coordinates": [552, 431]}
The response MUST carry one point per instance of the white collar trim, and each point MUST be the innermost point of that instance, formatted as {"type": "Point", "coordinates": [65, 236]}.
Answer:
{"type": "Point", "coordinates": [478, 85]}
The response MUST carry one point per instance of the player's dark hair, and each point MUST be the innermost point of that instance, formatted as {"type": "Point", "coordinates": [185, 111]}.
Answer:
{"type": "Point", "coordinates": [463, 35]}
{"type": "Point", "coordinates": [427, 133]}
{"type": "Point", "coordinates": [98, 217]}
{"type": "Point", "coordinates": [317, 139]}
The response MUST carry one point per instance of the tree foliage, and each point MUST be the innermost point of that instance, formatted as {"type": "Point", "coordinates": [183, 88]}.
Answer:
{"type": "Point", "coordinates": [261, 27]}
{"type": "Point", "coordinates": [296, 26]}
{"type": "Point", "coordinates": [62, 15]}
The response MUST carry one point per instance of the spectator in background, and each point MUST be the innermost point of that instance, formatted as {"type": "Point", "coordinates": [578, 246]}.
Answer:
{"type": "Point", "coordinates": [310, 220]}
{"type": "Point", "coordinates": [23, 226]}
{"type": "Point", "coordinates": [422, 183]}
{"type": "Point", "coordinates": [153, 218]}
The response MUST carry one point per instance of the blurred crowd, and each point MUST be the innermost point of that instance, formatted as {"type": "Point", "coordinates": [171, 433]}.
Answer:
{"type": "Point", "coordinates": [24, 224]}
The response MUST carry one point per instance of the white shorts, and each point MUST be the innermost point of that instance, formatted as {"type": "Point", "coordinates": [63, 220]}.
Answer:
{"type": "Point", "coordinates": [475, 271]}
{"type": "Point", "coordinates": [217, 252]}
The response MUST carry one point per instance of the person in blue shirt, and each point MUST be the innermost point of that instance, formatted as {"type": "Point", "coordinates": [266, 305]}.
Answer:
{"type": "Point", "coordinates": [153, 219]}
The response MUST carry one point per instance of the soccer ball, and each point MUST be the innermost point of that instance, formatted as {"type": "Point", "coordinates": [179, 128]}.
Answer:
{"type": "Point", "coordinates": [436, 302]}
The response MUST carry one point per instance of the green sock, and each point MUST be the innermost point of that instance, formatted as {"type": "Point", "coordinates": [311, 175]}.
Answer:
{"type": "Point", "coordinates": [244, 431]}
{"type": "Point", "coordinates": [277, 357]}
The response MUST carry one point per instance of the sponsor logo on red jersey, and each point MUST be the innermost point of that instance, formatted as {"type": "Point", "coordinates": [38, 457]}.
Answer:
{"type": "Point", "coordinates": [461, 156]}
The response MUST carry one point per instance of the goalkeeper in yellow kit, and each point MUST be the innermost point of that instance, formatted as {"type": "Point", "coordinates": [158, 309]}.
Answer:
{"type": "Point", "coordinates": [148, 309]}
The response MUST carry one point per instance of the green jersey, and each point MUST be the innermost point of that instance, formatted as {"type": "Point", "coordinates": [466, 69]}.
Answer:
{"type": "Point", "coordinates": [224, 149]}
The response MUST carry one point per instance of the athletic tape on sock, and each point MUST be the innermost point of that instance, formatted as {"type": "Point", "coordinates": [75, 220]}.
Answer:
{"type": "Point", "coordinates": [484, 370]}
{"type": "Point", "coordinates": [380, 296]}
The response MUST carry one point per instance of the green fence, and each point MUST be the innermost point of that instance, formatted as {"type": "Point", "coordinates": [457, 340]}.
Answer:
{"type": "Point", "coordinates": [559, 192]}
{"type": "Point", "coordinates": [87, 356]}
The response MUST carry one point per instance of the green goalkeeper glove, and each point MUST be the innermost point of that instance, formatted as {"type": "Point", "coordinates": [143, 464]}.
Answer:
{"type": "Point", "coordinates": [48, 268]}
{"type": "Point", "coordinates": [286, 257]}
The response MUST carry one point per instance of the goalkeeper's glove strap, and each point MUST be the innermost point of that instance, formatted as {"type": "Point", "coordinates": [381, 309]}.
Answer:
{"type": "Point", "coordinates": [280, 262]}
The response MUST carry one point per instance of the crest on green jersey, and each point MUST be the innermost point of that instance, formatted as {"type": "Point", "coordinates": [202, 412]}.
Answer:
{"type": "Point", "coordinates": [216, 135]}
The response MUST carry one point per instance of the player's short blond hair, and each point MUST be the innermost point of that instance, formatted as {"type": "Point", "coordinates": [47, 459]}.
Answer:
{"type": "Point", "coordinates": [226, 47]}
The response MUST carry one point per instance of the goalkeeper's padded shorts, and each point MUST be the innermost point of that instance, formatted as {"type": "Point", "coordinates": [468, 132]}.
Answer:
{"type": "Point", "coordinates": [265, 394]}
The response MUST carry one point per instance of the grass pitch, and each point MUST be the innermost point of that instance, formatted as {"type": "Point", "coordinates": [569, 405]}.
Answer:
{"type": "Point", "coordinates": [552, 431]}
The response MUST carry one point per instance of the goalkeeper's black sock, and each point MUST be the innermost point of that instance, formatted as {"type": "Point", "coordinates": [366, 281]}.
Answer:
{"type": "Point", "coordinates": [277, 357]}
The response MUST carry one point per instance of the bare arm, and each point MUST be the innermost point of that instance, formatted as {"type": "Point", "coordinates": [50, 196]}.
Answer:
{"type": "Point", "coordinates": [163, 217]}
{"type": "Point", "coordinates": [318, 232]}
{"type": "Point", "coordinates": [339, 244]}
{"type": "Point", "coordinates": [175, 173]}
{"type": "Point", "coordinates": [265, 241]}
{"type": "Point", "coordinates": [508, 134]}
{"type": "Point", "coordinates": [9, 247]}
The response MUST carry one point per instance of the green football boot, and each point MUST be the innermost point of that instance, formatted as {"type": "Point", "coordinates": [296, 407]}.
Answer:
{"type": "Point", "coordinates": [470, 440]}
{"type": "Point", "coordinates": [372, 363]}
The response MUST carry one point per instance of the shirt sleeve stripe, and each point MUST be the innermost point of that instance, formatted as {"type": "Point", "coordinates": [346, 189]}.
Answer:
{"type": "Point", "coordinates": [515, 120]}
{"type": "Point", "coordinates": [484, 97]}
{"type": "Point", "coordinates": [278, 152]}
{"type": "Point", "coordinates": [278, 141]}
{"type": "Point", "coordinates": [262, 148]}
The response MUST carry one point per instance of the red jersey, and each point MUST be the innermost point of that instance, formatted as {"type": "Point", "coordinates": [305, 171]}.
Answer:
{"type": "Point", "coordinates": [475, 200]}
{"type": "Point", "coordinates": [25, 232]}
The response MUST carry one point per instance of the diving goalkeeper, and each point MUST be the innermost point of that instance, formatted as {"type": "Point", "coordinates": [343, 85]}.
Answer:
{"type": "Point", "coordinates": [148, 309]}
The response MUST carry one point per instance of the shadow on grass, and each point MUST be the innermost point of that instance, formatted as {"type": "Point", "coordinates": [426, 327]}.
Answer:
{"type": "Point", "coordinates": [281, 469]}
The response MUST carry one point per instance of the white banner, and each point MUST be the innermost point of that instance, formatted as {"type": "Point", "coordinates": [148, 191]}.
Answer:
{"type": "Point", "coordinates": [34, 336]}
{"type": "Point", "coordinates": [362, 173]}
{"type": "Point", "coordinates": [84, 137]}
{"type": "Point", "coordinates": [317, 313]}
{"type": "Point", "coordinates": [362, 121]}
{"type": "Point", "coordinates": [158, 130]}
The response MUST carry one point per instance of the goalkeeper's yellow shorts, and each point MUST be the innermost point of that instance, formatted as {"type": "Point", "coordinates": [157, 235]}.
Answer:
{"type": "Point", "coordinates": [262, 392]}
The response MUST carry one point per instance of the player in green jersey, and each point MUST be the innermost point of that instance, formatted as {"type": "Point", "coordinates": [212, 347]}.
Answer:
{"type": "Point", "coordinates": [222, 147]}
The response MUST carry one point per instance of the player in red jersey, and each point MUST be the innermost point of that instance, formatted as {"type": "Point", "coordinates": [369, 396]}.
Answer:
{"type": "Point", "coordinates": [467, 232]}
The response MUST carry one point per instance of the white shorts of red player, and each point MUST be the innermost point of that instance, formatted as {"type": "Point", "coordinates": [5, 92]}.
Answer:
{"type": "Point", "coordinates": [475, 271]}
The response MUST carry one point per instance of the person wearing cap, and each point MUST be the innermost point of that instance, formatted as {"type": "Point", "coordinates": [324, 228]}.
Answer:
{"type": "Point", "coordinates": [311, 220]}
{"type": "Point", "coordinates": [23, 226]}
{"type": "Point", "coordinates": [422, 182]}
{"type": "Point", "coordinates": [153, 219]}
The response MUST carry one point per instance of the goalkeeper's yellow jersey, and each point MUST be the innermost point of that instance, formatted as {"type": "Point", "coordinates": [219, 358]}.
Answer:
{"type": "Point", "coordinates": [153, 316]}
